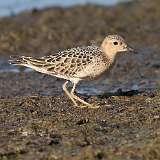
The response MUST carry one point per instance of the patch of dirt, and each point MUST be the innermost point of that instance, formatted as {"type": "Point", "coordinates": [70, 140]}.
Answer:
{"type": "Point", "coordinates": [51, 128]}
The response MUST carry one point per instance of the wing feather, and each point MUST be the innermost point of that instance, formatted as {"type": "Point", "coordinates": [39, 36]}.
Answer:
{"type": "Point", "coordinates": [67, 62]}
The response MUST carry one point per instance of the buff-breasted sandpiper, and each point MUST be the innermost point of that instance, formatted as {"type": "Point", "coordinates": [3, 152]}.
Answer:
{"type": "Point", "coordinates": [77, 64]}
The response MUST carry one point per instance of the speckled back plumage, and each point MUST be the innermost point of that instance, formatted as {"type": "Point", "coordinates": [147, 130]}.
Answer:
{"type": "Point", "coordinates": [80, 62]}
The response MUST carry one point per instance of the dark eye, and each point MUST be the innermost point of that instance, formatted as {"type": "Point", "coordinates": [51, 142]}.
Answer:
{"type": "Point", "coordinates": [115, 43]}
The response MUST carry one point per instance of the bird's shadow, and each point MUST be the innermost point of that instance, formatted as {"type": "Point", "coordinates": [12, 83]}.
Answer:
{"type": "Point", "coordinates": [119, 92]}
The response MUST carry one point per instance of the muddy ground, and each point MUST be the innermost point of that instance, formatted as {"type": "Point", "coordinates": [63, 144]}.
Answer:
{"type": "Point", "coordinates": [37, 121]}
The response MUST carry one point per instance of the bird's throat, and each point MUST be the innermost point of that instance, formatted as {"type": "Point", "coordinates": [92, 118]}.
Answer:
{"type": "Point", "coordinates": [110, 54]}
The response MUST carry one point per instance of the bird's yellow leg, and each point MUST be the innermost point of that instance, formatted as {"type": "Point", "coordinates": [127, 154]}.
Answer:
{"type": "Point", "coordinates": [81, 100]}
{"type": "Point", "coordinates": [68, 94]}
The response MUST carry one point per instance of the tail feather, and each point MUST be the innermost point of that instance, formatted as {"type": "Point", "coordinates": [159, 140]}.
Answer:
{"type": "Point", "coordinates": [17, 60]}
{"type": "Point", "coordinates": [27, 61]}
{"type": "Point", "coordinates": [38, 64]}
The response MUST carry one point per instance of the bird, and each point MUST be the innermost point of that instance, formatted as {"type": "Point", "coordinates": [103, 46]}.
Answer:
{"type": "Point", "coordinates": [78, 63]}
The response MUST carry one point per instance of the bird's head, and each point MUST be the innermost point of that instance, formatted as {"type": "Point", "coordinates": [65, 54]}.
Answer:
{"type": "Point", "coordinates": [114, 44]}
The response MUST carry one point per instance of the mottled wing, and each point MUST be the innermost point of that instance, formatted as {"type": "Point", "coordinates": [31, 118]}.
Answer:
{"type": "Point", "coordinates": [80, 62]}
{"type": "Point", "coordinates": [69, 62]}
{"type": "Point", "coordinates": [66, 63]}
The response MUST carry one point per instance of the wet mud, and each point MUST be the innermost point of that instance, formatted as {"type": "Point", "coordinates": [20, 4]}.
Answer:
{"type": "Point", "coordinates": [37, 121]}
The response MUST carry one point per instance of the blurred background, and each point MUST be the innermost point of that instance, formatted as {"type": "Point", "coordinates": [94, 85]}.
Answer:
{"type": "Point", "coordinates": [12, 7]}
{"type": "Point", "coordinates": [38, 28]}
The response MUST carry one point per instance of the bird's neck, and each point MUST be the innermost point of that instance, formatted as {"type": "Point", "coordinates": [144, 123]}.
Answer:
{"type": "Point", "coordinates": [110, 54]}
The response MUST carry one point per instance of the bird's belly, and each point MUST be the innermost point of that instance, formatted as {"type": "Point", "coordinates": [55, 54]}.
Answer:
{"type": "Point", "coordinates": [91, 71]}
